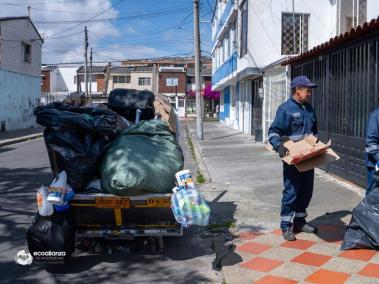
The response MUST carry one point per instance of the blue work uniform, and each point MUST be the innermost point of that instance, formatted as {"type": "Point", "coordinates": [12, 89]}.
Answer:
{"type": "Point", "coordinates": [372, 148]}
{"type": "Point", "coordinates": [295, 121]}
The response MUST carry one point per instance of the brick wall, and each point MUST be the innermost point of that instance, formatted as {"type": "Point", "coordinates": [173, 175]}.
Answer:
{"type": "Point", "coordinates": [100, 83]}
{"type": "Point", "coordinates": [162, 88]}
{"type": "Point", "coordinates": [45, 82]}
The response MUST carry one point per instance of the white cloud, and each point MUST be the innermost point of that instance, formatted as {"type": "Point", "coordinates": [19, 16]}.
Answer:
{"type": "Point", "coordinates": [64, 42]}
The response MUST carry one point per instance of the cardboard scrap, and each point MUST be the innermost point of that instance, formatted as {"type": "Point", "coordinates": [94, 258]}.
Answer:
{"type": "Point", "coordinates": [306, 154]}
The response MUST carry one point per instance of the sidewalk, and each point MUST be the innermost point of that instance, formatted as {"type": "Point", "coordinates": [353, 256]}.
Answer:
{"type": "Point", "coordinates": [16, 136]}
{"type": "Point", "coordinates": [245, 174]}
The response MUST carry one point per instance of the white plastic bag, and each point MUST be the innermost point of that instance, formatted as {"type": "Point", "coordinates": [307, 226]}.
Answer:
{"type": "Point", "coordinates": [190, 208]}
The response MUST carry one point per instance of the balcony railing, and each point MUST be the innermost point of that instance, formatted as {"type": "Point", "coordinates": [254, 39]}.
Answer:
{"type": "Point", "coordinates": [227, 68]}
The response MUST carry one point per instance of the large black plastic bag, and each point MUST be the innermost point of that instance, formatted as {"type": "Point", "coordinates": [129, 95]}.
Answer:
{"type": "Point", "coordinates": [76, 138]}
{"type": "Point", "coordinates": [54, 233]}
{"type": "Point", "coordinates": [79, 154]}
{"type": "Point", "coordinates": [142, 159]}
{"type": "Point", "coordinates": [78, 119]}
{"type": "Point", "coordinates": [126, 101]}
{"type": "Point", "coordinates": [363, 230]}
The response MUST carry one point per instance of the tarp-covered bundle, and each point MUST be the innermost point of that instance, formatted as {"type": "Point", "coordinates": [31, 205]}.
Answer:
{"type": "Point", "coordinates": [142, 159]}
{"type": "Point", "coordinates": [76, 139]}
{"type": "Point", "coordinates": [363, 230]}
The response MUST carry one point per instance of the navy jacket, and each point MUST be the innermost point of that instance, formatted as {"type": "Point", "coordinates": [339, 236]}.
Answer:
{"type": "Point", "coordinates": [293, 120]}
{"type": "Point", "coordinates": [372, 139]}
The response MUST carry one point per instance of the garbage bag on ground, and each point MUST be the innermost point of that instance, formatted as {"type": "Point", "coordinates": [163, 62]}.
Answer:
{"type": "Point", "coordinates": [76, 139]}
{"type": "Point", "coordinates": [190, 208]}
{"type": "Point", "coordinates": [142, 159]}
{"type": "Point", "coordinates": [126, 101]}
{"type": "Point", "coordinates": [363, 230]}
{"type": "Point", "coordinates": [54, 233]}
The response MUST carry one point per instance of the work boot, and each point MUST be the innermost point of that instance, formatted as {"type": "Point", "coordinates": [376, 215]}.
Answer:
{"type": "Point", "coordinates": [288, 235]}
{"type": "Point", "coordinates": [305, 228]}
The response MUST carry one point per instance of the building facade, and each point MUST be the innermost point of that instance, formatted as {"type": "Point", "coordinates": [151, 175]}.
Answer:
{"type": "Point", "coordinates": [250, 40]}
{"type": "Point", "coordinates": [20, 72]}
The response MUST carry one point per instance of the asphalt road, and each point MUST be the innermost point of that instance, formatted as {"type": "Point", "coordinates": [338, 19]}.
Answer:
{"type": "Point", "coordinates": [23, 168]}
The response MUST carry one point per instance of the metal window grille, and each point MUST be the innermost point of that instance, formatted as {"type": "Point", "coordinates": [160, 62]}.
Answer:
{"type": "Point", "coordinates": [298, 42]}
{"type": "Point", "coordinates": [351, 13]}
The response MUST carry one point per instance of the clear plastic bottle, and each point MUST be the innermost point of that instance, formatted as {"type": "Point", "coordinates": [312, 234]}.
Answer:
{"type": "Point", "coordinates": [45, 208]}
{"type": "Point", "coordinates": [56, 189]}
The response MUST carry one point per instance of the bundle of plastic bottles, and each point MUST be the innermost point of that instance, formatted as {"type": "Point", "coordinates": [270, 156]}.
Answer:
{"type": "Point", "coordinates": [187, 204]}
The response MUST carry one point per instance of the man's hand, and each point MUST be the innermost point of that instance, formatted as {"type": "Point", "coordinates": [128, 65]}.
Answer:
{"type": "Point", "coordinates": [282, 151]}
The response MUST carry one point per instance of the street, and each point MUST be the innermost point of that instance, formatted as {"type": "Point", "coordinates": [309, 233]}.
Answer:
{"type": "Point", "coordinates": [23, 168]}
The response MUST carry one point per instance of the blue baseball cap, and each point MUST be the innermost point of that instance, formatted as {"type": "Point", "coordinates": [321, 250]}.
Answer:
{"type": "Point", "coordinates": [302, 81]}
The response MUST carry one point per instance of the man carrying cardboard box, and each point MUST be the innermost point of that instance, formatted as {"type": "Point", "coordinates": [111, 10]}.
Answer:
{"type": "Point", "coordinates": [295, 119]}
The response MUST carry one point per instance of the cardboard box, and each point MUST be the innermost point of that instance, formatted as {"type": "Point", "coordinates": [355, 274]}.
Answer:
{"type": "Point", "coordinates": [306, 154]}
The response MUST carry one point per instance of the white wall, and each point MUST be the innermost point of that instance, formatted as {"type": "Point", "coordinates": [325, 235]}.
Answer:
{"type": "Point", "coordinates": [134, 80]}
{"type": "Point", "coordinates": [18, 97]}
{"type": "Point", "coordinates": [265, 26]}
{"type": "Point", "coordinates": [372, 9]}
{"type": "Point", "coordinates": [68, 74]}
{"type": "Point", "coordinates": [16, 32]}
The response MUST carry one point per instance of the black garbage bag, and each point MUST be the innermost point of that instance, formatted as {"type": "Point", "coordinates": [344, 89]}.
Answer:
{"type": "Point", "coordinates": [79, 154]}
{"type": "Point", "coordinates": [126, 101]}
{"type": "Point", "coordinates": [363, 230]}
{"type": "Point", "coordinates": [64, 117]}
{"type": "Point", "coordinates": [76, 138]}
{"type": "Point", "coordinates": [55, 233]}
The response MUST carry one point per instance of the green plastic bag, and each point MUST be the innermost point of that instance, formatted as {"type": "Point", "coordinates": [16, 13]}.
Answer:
{"type": "Point", "coordinates": [142, 159]}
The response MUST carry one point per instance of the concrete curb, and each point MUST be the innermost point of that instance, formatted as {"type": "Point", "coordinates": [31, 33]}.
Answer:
{"type": "Point", "coordinates": [11, 141]}
{"type": "Point", "coordinates": [199, 159]}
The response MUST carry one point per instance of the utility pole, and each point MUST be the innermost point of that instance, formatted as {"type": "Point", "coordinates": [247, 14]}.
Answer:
{"type": "Point", "coordinates": [85, 60]}
{"type": "Point", "coordinates": [29, 14]}
{"type": "Point", "coordinates": [293, 26]}
{"type": "Point", "coordinates": [90, 73]}
{"type": "Point", "coordinates": [199, 111]}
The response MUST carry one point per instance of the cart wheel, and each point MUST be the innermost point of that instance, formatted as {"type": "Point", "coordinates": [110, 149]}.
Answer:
{"type": "Point", "coordinates": [161, 247]}
{"type": "Point", "coordinates": [153, 244]}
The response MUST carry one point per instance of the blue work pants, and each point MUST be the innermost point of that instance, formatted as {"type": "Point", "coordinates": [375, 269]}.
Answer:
{"type": "Point", "coordinates": [297, 194]}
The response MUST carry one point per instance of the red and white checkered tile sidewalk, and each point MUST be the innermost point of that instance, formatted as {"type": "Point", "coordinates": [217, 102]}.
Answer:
{"type": "Point", "coordinates": [268, 258]}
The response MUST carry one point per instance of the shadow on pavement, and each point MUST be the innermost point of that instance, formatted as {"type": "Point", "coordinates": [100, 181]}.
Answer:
{"type": "Point", "coordinates": [331, 227]}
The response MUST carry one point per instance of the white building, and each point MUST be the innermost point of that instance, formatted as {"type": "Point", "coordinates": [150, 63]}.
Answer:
{"type": "Point", "coordinates": [251, 37]}
{"type": "Point", "coordinates": [20, 72]}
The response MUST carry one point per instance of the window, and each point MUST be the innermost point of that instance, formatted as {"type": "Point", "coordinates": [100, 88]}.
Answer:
{"type": "Point", "coordinates": [350, 14]}
{"type": "Point", "coordinates": [171, 82]}
{"type": "Point", "coordinates": [144, 81]}
{"type": "Point", "coordinates": [121, 79]}
{"type": "Point", "coordinates": [298, 42]}
{"type": "Point", "coordinates": [243, 50]}
{"type": "Point", "coordinates": [232, 37]}
{"type": "Point", "coordinates": [26, 54]}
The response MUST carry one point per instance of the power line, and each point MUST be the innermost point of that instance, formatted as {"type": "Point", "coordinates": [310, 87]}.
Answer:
{"type": "Point", "coordinates": [85, 21]}
{"type": "Point", "coordinates": [60, 11]}
{"type": "Point", "coordinates": [157, 13]}
{"type": "Point", "coordinates": [36, 3]}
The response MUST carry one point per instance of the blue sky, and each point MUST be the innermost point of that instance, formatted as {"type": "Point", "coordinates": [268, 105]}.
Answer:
{"type": "Point", "coordinates": [127, 28]}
